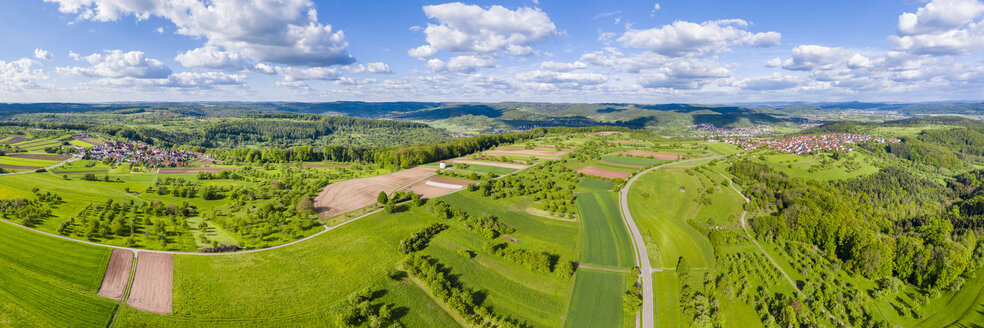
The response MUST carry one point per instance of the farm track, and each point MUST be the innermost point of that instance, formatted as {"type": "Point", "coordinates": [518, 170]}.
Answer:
{"type": "Point", "coordinates": [46, 168]}
{"type": "Point", "coordinates": [792, 283]}
{"type": "Point", "coordinates": [645, 320]}
{"type": "Point", "coordinates": [327, 229]}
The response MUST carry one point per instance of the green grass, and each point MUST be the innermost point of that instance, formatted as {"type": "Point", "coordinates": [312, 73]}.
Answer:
{"type": "Point", "coordinates": [51, 282]}
{"type": "Point", "coordinates": [412, 306]}
{"type": "Point", "coordinates": [593, 185]}
{"type": "Point", "coordinates": [721, 148]}
{"type": "Point", "coordinates": [81, 143]}
{"type": "Point", "coordinates": [597, 300]}
{"type": "Point", "coordinates": [481, 169]}
{"type": "Point", "coordinates": [604, 240]}
{"type": "Point", "coordinates": [628, 160]}
{"type": "Point", "coordinates": [666, 298]}
{"type": "Point", "coordinates": [857, 164]}
{"type": "Point", "coordinates": [213, 232]}
{"type": "Point", "coordinates": [665, 231]}
{"type": "Point", "coordinates": [7, 160]}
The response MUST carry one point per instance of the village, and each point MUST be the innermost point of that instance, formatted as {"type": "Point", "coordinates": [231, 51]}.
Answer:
{"type": "Point", "coordinates": [809, 144]}
{"type": "Point", "coordinates": [138, 153]}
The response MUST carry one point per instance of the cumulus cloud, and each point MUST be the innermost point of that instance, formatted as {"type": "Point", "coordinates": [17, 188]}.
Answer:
{"type": "Point", "coordinates": [185, 80]}
{"type": "Point", "coordinates": [656, 8]}
{"type": "Point", "coordinates": [573, 79]}
{"type": "Point", "coordinates": [212, 57]}
{"type": "Point", "coordinates": [294, 74]}
{"type": "Point", "coordinates": [371, 68]}
{"type": "Point", "coordinates": [810, 57]}
{"type": "Point", "coordinates": [562, 67]}
{"type": "Point", "coordinates": [276, 31]}
{"type": "Point", "coordinates": [24, 73]}
{"type": "Point", "coordinates": [686, 38]}
{"type": "Point", "coordinates": [773, 82]}
{"type": "Point", "coordinates": [774, 62]}
{"type": "Point", "coordinates": [472, 29]}
{"type": "Point", "coordinates": [119, 64]}
{"type": "Point", "coordinates": [42, 54]}
{"type": "Point", "coordinates": [942, 27]}
{"type": "Point", "coordinates": [614, 59]}
{"type": "Point", "coordinates": [683, 74]}
{"type": "Point", "coordinates": [460, 64]}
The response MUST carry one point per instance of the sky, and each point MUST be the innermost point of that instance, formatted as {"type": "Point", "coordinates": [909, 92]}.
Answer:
{"type": "Point", "coordinates": [694, 51]}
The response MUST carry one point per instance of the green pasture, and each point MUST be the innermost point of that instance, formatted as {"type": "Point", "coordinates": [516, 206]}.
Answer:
{"type": "Point", "coordinates": [628, 160]}
{"type": "Point", "coordinates": [857, 164]}
{"type": "Point", "coordinates": [661, 211]}
{"type": "Point", "coordinates": [7, 160]}
{"type": "Point", "coordinates": [593, 185]}
{"type": "Point", "coordinates": [212, 232]}
{"type": "Point", "coordinates": [666, 299]}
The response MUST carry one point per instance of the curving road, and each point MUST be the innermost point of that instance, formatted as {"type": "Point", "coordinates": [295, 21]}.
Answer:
{"type": "Point", "coordinates": [642, 255]}
{"type": "Point", "coordinates": [74, 158]}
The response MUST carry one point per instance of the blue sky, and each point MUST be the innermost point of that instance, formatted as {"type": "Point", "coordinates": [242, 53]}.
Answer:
{"type": "Point", "coordinates": [552, 51]}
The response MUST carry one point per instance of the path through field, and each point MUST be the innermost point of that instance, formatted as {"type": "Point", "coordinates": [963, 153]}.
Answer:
{"type": "Point", "coordinates": [46, 168]}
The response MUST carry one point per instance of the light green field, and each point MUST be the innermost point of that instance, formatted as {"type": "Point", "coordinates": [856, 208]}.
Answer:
{"type": "Point", "coordinates": [604, 240]}
{"type": "Point", "coordinates": [861, 164]}
{"type": "Point", "coordinates": [593, 185]}
{"type": "Point", "coordinates": [628, 160]}
{"type": "Point", "coordinates": [213, 233]}
{"type": "Point", "coordinates": [7, 160]}
{"type": "Point", "coordinates": [665, 231]}
{"type": "Point", "coordinates": [597, 300]}
{"type": "Point", "coordinates": [481, 169]}
{"type": "Point", "coordinates": [81, 143]}
{"type": "Point", "coordinates": [721, 148]}
{"type": "Point", "coordinates": [666, 298]}
{"type": "Point", "coordinates": [50, 282]}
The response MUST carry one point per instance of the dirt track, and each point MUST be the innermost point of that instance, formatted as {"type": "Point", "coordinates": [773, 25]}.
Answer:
{"type": "Point", "coordinates": [152, 283]}
{"type": "Point", "coordinates": [656, 156]}
{"type": "Point", "coordinates": [349, 195]}
{"type": "Point", "coordinates": [488, 163]}
{"type": "Point", "coordinates": [46, 157]}
{"type": "Point", "coordinates": [598, 172]}
{"type": "Point", "coordinates": [117, 274]}
{"type": "Point", "coordinates": [438, 186]}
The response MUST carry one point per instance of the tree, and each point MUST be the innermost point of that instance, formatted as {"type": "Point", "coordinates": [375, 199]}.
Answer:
{"type": "Point", "coordinates": [417, 201]}
{"type": "Point", "coordinates": [382, 199]}
{"type": "Point", "coordinates": [632, 302]}
{"type": "Point", "coordinates": [306, 205]}
{"type": "Point", "coordinates": [682, 269]}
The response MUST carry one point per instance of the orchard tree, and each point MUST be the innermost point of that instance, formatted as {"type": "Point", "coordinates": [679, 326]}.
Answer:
{"type": "Point", "coordinates": [382, 199]}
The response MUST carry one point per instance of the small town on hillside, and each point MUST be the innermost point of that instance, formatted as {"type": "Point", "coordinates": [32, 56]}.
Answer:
{"type": "Point", "coordinates": [809, 144]}
{"type": "Point", "coordinates": [131, 152]}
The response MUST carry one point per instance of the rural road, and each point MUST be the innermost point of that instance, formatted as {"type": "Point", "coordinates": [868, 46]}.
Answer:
{"type": "Point", "coordinates": [642, 255]}
{"type": "Point", "coordinates": [327, 229]}
{"type": "Point", "coordinates": [74, 158]}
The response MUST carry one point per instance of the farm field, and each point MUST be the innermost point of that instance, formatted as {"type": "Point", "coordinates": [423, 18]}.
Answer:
{"type": "Point", "coordinates": [597, 301]}
{"type": "Point", "coordinates": [604, 240]}
{"type": "Point", "coordinates": [821, 167]}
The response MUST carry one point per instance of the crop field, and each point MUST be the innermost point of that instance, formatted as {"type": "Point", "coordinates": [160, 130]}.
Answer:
{"type": "Point", "coordinates": [51, 282]}
{"type": "Point", "coordinates": [666, 232]}
{"type": "Point", "coordinates": [597, 300]}
{"type": "Point", "coordinates": [604, 240]}
{"type": "Point", "coordinates": [8, 160]}
{"type": "Point", "coordinates": [628, 160]}
{"type": "Point", "coordinates": [666, 299]}
{"type": "Point", "coordinates": [481, 169]}
{"type": "Point", "coordinates": [593, 185]}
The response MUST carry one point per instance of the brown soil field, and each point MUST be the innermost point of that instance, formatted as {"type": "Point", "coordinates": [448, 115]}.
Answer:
{"type": "Point", "coordinates": [117, 274]}
{"type": "Point", "coordinates": [14, 140]}
{"type": "Point", "coordinates": [153, 283]}
{"type": "Point", "coordinates": [622, 165]}
{"type": "Point", "coordinates": [18, 167]}
{"type": "Point", "coordinates": [603, 133]}
{"type": "Point", "coordinates": [528, 152]}
{"type": "Point", "coordinates": [47, 157]}
{"type": "Point", "coordinates": [344, 196]}
{"type": "Point", "coordinates": [498, 164]}
{"type": "Point", "coordinates": [436, 186]}
{"type": "Point", "coordinates": [193, 170]}
{"type": "Point", "coordinates": [656, 156]}
{"type": "Point", "coordinates": [591, 170]}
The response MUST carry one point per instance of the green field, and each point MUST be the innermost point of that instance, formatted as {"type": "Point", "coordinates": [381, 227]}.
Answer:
{"type": "Point", "coordinates": [7, 160]}
{"type": "Point", "coordinates": [666, 299]}
{"type": "Point", "coordinates": [481, 169]}
{"type": "Point", "coordinates": [856, 164]}
{"type": "Point", "coordinates": [628, 160]}
{"type": "Point", "coordinates": [593, 185]}
{"type": "Point", "coordinates": [597, 300]}
{"type": "Point", "coordinates": [667, 234]}
{"type": "Point", "coordinates": [51, 282]}
{"type": "Point", "coordinates": [604, 240]}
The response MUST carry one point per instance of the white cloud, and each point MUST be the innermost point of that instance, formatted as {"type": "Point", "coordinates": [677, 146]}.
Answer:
{"type": "Point", "coordinates": [293, 74]}
{"type": "Point", "coordinates": [184, 80]}
{"type": "Point", "coordinates": [460, 64]}
{"type": "Point", "coordinates": [811, 57]}
{"type": "Point", "coordinates": [119, 64]}
{"type": "Point", "coordinates": [42, 54]}
{"type": "Point", "coordinates": [24, 73]}
{"type": "Point", "coordinates": [211, 56]}
{"type": "Point", "coordinates": [773, 82]}
{"type": "Point", "coordinates": [683, 74]}
{"type": "Point", "coordinates": [472, 29]}
{"type": "Point", "coordinates": [573, 79]}
{"type": "Point", "coordinates": [774, 62]}
{"type": "Point", "coordinates": [685, 38]}
{"type": "Point", "coordinates": [562, 67]}
{"type": "Point", "coordinates": [942, 27]}
{"type": "Point", "coordinates": [371, 68]}
{"type": "Point", "coordinates": [276, 31]}
{"type": "Point", "coordinates": [612, 58]}
{"type": "Point", "coordinates": [656, 8]}
{"type": "Point", "coordinates": [423, 51]}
